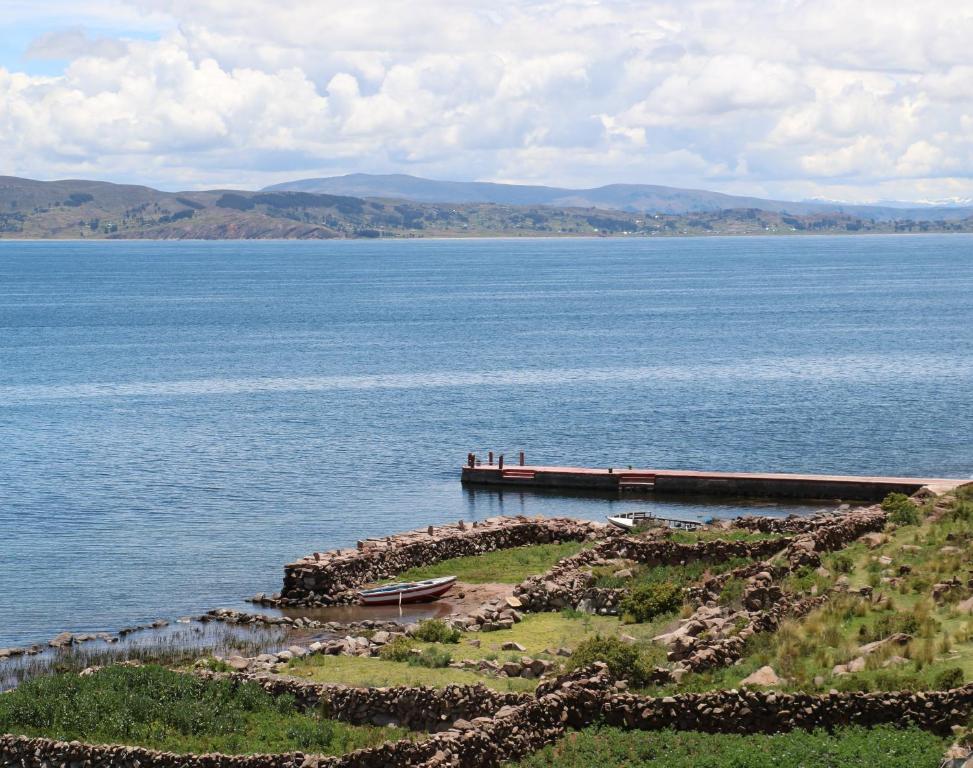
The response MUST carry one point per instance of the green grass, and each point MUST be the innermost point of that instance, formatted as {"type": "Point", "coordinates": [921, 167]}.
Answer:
{"type": "Point", "coordinates": [602, 747]}
{"type": "Point", "coordinates": [159, 709]}
{"type": "Point", "coordinates": [503, 566]}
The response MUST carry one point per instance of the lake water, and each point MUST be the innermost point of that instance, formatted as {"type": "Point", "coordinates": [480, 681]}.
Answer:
{"type": "Point", "coordinates": [178, 420]}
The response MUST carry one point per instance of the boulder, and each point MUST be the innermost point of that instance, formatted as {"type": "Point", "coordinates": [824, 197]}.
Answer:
{"type": "Point", "coordinates": [764, 677]}
{"type": "Point", "coordinates": [62, 640]}
{"type": "Point", "coordinates": [873, 539]}
{"type": "Point", "coordinates": [510, 645]}
{"type": "Point", "coordinates": [899, 638]}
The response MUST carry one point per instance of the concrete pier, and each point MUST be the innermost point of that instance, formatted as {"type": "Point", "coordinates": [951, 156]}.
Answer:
{"type": "Point", "coordinates": [669, 481]}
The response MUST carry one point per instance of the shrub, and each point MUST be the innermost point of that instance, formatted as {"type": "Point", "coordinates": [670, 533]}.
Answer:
{"type": "Point", "coordinates": [434, 658]}
{"type": "Point", "coordinates": [900, 509]}
{"type": "Point", "coordinates": [732, 591]}
{"type": "Point", "coordinates": [624, 660]}
{"type": "Point", "coordinates": [843, 563]}
{"type": "Point", "coordinates": [436, 631]}
{"type": "Point", "coordinates": [399, 649]}
{"type": "Point", "coordinates": [951, 677]}
{"type": "Point", "coordinates": [646, 601]}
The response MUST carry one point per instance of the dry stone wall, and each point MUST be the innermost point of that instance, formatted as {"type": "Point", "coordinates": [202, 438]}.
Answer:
{"type": "Point", "coordinates": [331, 578]}
{"type": "Point", "coordinates": [746, 711]}
{"type": "Point", "coordinates": [570, 583]}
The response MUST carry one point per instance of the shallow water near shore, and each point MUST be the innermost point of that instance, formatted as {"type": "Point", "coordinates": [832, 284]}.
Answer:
{"type": "Point", "coordinates": [178, 420]}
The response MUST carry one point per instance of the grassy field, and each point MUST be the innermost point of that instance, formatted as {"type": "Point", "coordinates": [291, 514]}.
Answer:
{"type": "Point", "coordinates": [599, 747]}
{"type": "Point", "coordinates": [504, 566]}
{"type": "Point", "coordinates": [538, 633]}
{"type": "Point", "coordinates": [159, 709]}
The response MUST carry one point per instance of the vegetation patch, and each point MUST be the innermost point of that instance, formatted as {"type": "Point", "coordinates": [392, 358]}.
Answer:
{"type": "Point", "coordinates": [625, 660]}
{"type": "Point", "coordinates": [503, 566]}
{"type": "Point", "coordinates": [603, 747]}
{"type": "Point", "coordinates": [647, 601]}
{"type": "Point", "coordinates": [436, 631]}
{"type": "Point", "coordinates": [156, 708]}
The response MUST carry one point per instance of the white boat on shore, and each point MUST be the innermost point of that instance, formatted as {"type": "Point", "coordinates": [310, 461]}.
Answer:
{"type": "Point", "coordinates": [629, 521]}
{"type": "Point", "coordinates": [404, 592]}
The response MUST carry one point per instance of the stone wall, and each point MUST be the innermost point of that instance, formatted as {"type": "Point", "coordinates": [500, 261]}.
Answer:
{"type": "Point", "coordinates": [570, 583]}
{"type": "Point", "coordinates": [747, 711]}
{"type": "Point", "coordinates": [417, 708]}
{"type": "Point", "coordinates": [332, 577]}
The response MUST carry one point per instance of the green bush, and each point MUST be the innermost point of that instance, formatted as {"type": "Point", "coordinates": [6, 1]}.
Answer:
{"type": "Point", "coordinates": [400, 649]}
{"type": "Point", "coordinates": [433, 658]}
{"type": "Point", "coordinates": [900, 509]}
{"type": "Point", "coordinates": [732, 591]}
{"type": "Point", "coordinates": [646, 601]}
{"type": "Point", "coordinates": [951, 677]}
{"type": "Point", "coordinates": [842, 563]}
{"type": "Point", "coordinates": [624, 660]}
{"type": "Point", "coordinates": [436, 631]}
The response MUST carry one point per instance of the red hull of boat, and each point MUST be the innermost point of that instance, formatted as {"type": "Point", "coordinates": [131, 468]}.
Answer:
{"type": "Point", "coordinates": [419, 596]}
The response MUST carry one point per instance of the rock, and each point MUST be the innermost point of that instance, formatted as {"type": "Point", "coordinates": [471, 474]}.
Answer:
{"type": "Point", "coordinates": [966, 606]}
{"type": "Point", "coordinates": [894, 661]}
{"type": "Point", "coordinates": [856, 665]}
{"type": "Point", "coordinates": [62, 640]}
{"type": "Point", "coordinates": [511, 669]}
{"type": "Point", "coordinates": [381, 637]}
{"type": "Point", "coordinates": [765, 677]}
{"type": "Point", "coordinates": [624, 573]}
{"type": "Point", "coordinates": [950, 550]}
{"type": "Point", "coordinates": [899, 638]}
{"type": "Point", "coordinates": [885, 560]}
{"type": "Point", "coordinates": [513, 602]}
{"type": "Point", "coordinates": [285, 656]}
{"type": "Point", "coordinates": [510, 645]}
{"type": "Point", "coordinates": [476, 643]}
{"type": "Point", "coordinates": [873, 539]}
{"type": "Point", "coordinates": [238, 663]}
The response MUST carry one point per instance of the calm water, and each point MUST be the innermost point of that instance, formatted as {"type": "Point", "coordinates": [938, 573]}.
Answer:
{"type": "Point", "coordinates": [179, 420]}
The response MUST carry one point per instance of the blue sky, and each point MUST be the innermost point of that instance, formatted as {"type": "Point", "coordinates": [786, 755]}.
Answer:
{"type": "Point", "coordinates": [864, 101]}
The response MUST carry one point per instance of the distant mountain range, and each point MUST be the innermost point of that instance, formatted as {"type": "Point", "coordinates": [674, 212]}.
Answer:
{"type": "Point", "coordinates": [634, 198]}
{"type": "Point", "coordinates": [371, 207]}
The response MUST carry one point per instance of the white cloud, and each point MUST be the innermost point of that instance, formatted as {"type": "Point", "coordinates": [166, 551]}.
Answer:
{"type": "Point", "coordinates": [791, 98]}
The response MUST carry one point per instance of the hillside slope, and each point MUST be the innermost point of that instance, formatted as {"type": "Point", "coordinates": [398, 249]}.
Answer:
{"type": "Point", "coordinates": [90, 209]}
{"type": "Point", "coordinates": [636, 198]}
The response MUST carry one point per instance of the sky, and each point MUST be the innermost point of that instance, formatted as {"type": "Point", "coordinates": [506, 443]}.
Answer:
{"type": "Point", "coordinates": [857, 100]}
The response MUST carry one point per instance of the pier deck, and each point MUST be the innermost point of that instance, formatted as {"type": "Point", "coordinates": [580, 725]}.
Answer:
{"type": "Point", "coordinates": [649, 481]}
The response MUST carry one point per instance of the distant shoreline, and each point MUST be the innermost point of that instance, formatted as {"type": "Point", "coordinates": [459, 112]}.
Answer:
{"type": "Point", "coordinates": [502, 236]}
